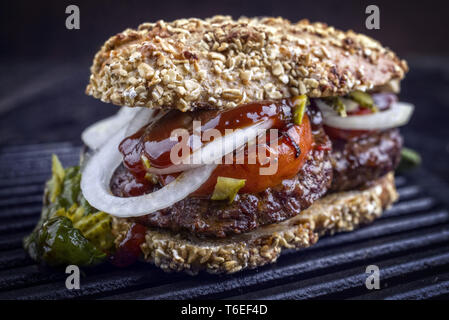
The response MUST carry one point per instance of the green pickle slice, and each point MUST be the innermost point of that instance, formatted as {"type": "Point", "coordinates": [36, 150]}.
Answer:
{"type": "Point", "coordinates": [70, 231]}
{"type": "Point", "coordinates": [300, 103]}
{"type": "Point", "coordinates": [337, 105]}
{"type": "Point", "coordinates": [227, 188]}
{"type": "Point", "coordinates": [363, 99]}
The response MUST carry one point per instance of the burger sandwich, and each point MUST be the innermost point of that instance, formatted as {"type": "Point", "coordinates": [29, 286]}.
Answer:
{"type": "Point", "coordinates": [236, 139]}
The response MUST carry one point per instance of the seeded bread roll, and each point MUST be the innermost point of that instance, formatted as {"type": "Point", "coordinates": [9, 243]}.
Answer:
{"type": "Point", "coordinates": [337, 212]}
{"type": "Point", "coordinates": [222, 63]}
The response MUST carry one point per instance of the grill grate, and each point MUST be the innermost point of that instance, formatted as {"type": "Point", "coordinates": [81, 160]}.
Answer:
{"type": "Point", "coordinates": [410, 244]}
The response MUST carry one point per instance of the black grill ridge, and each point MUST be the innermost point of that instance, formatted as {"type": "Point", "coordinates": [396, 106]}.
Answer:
{"type": "Point", "coordinates": [409, 243]}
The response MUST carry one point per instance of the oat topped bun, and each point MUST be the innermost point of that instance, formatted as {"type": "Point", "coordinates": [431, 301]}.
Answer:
{"type": "Point", "coordinates": [222, 63]}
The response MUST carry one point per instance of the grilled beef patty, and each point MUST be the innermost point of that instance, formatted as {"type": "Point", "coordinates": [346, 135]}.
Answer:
{"type": "Point", "coordinates": [247, 212]}
{"type": "Point", "coordinates": [361, 160]}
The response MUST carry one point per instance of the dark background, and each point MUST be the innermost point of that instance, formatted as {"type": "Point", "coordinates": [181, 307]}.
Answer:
{"type": "Point", "coordinates": [44, 67]}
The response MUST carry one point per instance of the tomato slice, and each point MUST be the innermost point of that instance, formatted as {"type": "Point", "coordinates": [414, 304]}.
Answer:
{"type": "Point", "coordinates": [287, 155]}
{"type": "Point", "coordinates": [155, 143]}
{"type": "Point", "coordinates": [291, 151]}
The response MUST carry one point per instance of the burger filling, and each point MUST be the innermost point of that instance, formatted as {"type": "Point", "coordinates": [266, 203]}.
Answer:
{"type": "Point", "coordinates": [304, 175]}
{"type": "Point", "coordinates": [307, 165]}
{"type": "Point", "coordinates": [216, 177]}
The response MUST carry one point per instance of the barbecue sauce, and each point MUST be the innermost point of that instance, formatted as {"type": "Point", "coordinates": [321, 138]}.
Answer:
{"type": "Point", "coordinates": [129, 250]}
{"type": "Point", "coordinates": [152, 143]}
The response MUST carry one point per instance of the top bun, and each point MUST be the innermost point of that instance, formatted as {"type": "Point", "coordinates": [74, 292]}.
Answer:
{"type": "Point", "coordinates": [222, 63]}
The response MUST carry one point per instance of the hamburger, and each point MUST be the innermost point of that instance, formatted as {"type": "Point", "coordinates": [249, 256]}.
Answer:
{"type": "Point", "coordinates": [236, 139]}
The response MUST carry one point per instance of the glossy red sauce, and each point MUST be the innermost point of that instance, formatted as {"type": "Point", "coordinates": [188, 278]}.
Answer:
{"type": "Point", "coordinates": [129, 250]}
{"type": "Point", "coordinates": [154, 141]}
{"type": "Point", "coordinates": [292, 148]}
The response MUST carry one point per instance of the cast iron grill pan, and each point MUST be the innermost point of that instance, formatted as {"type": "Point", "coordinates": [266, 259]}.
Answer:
{"type": "Point", "coordinates": [410, 245]}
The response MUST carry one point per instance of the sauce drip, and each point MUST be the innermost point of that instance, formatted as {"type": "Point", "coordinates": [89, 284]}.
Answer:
{"type": "Point", "coordinates": [128, 250]}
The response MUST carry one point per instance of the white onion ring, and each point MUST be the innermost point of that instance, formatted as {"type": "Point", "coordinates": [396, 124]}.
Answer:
{"type": "Point", "coordinates": [144, 117]}
{"type": "Point", "coordinates": [99, 169]}
{"type": "Point", "coordinates": [397, 115]}
{"type": "Point", "coordinates": [97, 174]}
{"type": "Point", "coordinates": [350, 105]}
{"type": "Point", "coordinates": [217, 149]}
{"type": "Point", "coordinates": [98, 133]}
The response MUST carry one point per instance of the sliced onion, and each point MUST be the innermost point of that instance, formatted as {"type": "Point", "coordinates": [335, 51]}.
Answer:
{"type": "Point", "coordinates": [397, 115]}
{"type": "Point", "coordinates": [217, 149]}
{"type": "Point", "coordinates": [144, 117]}
{"type": "Point", "coordinates": [98, 172]}
{"type": "Point", "coordinates": [98, 133]}
{"type": "Point", "coordinates": [350, 105]}
{"type": "Point", "coordinates": [99, 169]}
{"type": "Point", "coordinates": [134, 118]}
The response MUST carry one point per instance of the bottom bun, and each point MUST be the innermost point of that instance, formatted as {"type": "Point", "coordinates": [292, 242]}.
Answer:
{"type": "Point", "coordinates": [336, 212]}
